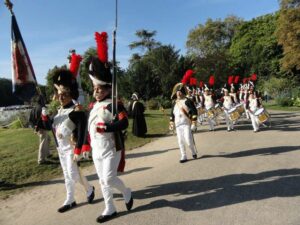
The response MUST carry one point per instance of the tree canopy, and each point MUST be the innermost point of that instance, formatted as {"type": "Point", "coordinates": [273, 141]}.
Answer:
{"type": "Point", "coordinates": [288, 33]}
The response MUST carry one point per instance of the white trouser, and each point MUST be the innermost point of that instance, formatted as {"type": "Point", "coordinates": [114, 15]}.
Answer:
{"type": "Point", "coordinates": [184, 136]}
{"type": "Point", "coordinates": [229, 122]}
{"type": "Point", "coordinates": [72, 175]}
{"type": "Point", "coordinates": [201, 118]}
{"type": "Point", "coordinates": [107, 172]}
{"type": "Point", "coordinates": [211, 123]}
{"type": "Point", "coordinates": [254, 121]}
{"type": "Point", "coordinates": [44, 150]}
{"type": "Point", "coordinates": [247, 113]}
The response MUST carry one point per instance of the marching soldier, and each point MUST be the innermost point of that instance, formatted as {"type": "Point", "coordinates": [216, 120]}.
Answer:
{"type": "Point", "coordinates": [69, 124]}
{"type": "Point", "coordinates": [105, 132]}
{"type": "Point", "coordinates": [184, 119]}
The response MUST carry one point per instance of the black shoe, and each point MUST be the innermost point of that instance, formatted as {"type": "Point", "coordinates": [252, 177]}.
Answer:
{"type": "Point", "coordinates": [183, 160]}
{"type": "Point", "coordinates": [104, 218]}
{"type": "Point", "coordinates": [44, 162]}
{"type": "Point", "coordinates": [65, 208]}
{"type": "Point", "coordinates": [129, 204]}
{"type": "Point", "coordinates": [91, 197]}
{"type": "Point", "coordinates": [195, 156]}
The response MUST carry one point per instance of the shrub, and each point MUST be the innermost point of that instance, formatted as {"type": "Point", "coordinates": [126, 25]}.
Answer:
{"type": "Point", "coordinates": [296, 102]}
{"type": "Point", "coordinates": [153, 104]}
{"type": "Point", "coordinates": [166, 103]}
{"type": "Point", "coordinates": [284, 101]}
{"type": "Point", "coordinates": [53, 107]}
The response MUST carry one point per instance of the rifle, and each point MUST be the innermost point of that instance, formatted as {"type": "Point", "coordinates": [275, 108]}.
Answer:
{"type": "Point", "coordinates": [114, 75]}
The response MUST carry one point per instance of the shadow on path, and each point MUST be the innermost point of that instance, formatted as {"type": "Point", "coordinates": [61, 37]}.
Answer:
{"type": "Point", "coordinates": [143, 154]}
{"type": "Point", "coordinates": [95, 176]}
{"type": "Point", "coordinates": [222, 191]}
{"type": "Point", "coordinates": [255, 152]}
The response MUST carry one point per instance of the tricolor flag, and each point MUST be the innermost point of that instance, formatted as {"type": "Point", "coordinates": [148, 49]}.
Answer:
{"type": "Point", "coordinates": [23, 77]}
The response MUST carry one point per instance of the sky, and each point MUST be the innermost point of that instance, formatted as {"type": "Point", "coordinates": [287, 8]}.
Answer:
{"type": "Point", "coordinates": [51, 27]}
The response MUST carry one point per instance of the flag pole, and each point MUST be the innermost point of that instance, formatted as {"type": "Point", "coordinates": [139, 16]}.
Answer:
{"type": "Point", "coordinates": [9, 5]}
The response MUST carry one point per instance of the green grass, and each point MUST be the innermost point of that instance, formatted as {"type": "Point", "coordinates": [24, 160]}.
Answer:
{"type": "Point", "coordinates": [19, 149]}
{"type": "Point", "coordinates": [273, 106]}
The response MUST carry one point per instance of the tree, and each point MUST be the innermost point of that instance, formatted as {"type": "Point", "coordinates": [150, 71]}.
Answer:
{"type": "Point", "coordinates": [155, 73]}
{"type": "Point", "coordinates": [255, 49]}
{"type": "Point", "coordinates": [213, 37]}
{"type": "Point", "coordinates": [146, 42]}
{"type": "Point", "coordinates": [208, 45]}
{"type": "Point", "coordinates": [86, 83]}
{"type": "Point", "coordinates": [7, 97]}
{"type": "Point", "coordinates": [288, 33]}
{"type": "Point", "coordinates": [164, 68]}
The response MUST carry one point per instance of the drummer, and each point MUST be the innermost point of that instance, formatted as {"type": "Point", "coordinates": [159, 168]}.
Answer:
{"type": "Point", "coordinates": [200, 105]}
{"type": "Point", "coordinates": [244, 99]}
{"type": "Point", "coordinates": [228, 104]}
{"type": "Point", "coordinates": [252, 106]}
{"type": "Point", "coordinates": [234, 95]}
{"type": "Point", "coordinates": [209, 104]}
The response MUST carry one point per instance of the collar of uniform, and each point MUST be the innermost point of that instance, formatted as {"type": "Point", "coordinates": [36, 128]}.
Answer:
{"type": "Point", "coordinates": [105, 98]}
{"type": "Point", "coordinates": [69, 105]}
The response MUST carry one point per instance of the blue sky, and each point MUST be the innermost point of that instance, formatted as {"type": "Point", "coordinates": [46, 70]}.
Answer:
{"type": "Point", "coordinates": [51, 27]}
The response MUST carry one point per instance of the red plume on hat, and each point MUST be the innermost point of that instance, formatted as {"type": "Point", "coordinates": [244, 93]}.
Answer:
{"type": "Point", "coordinates": [245, 80]}
{"type": "Point", "coordinates": [75, 63]}
{"type": "Point", "coordinates": [211, 80]}
{"type": "Point", "coordinates": [186, 78]}
{"type": "Point", "coordinates": [230, 80]}
{"type": "Point", "coordinates": [102, 47]}
{"type": "Point", "coordinates": [193, 81]}
{"type": "Point", "coordinates": [201, 84]}
{"type": "Point", "coordinates": [253, 77]}
{"type": "Point", "coordinates": [236, 79]}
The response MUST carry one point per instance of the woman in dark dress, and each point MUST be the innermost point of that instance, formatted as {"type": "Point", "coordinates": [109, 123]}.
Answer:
{"type": "Point", "coordinates": [136, 109]}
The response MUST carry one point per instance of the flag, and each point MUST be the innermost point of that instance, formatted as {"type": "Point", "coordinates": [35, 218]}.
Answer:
{"type": "Point", "coordinates": [23, 77]}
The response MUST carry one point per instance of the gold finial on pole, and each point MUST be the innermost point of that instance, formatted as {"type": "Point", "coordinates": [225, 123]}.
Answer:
{"type": "Point", "coordinates": [9, 5]}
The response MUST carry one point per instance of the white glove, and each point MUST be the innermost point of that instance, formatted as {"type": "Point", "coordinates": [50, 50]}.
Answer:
{"type": "Point", "coordinates": [86, 155]}
{"type": "Point", "coordinates": [194, 127]}
{"type": "Point", "coordinates": [76, 157]}
{"type": "Point", "coordinates": [45, 111]}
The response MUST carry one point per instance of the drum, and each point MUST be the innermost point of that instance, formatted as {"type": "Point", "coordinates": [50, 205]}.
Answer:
{"type": "Point", "coordinates": [201, 110]}
{"type": "Point", "coordinates": [218, 109]}
{"type": "Point", "coordinates": [262, 115]}
{"type": "Point", "coordinates": [234, 114]}
{"type": "Point", "coordinates": [240, 108]}
{"type": "Point", "coordinates": [211, 113]}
